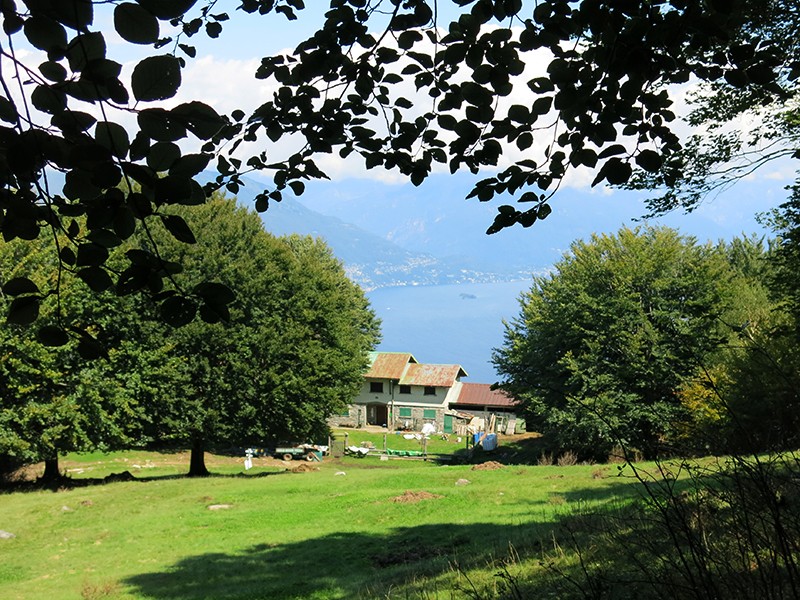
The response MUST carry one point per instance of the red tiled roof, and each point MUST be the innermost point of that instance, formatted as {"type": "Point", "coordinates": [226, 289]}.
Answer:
{"type": "Point", "coordinates": [435, 375]}
{"type": "Point", "coordinates": [389, 365]}
{"type": "Point", "coordinates": [482, 394]}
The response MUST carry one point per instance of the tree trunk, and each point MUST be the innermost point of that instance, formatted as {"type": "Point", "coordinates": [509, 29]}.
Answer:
{"type": "Point", "coordinates": [51, 473]}
{"type": "Point", "coordinates": [197, 463]}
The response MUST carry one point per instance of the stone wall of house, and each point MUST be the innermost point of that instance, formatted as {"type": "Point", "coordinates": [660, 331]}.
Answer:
{"type": "Point", "coordinates": [413, 417]}
{"type": "Point", "coordinates": [355, 416]}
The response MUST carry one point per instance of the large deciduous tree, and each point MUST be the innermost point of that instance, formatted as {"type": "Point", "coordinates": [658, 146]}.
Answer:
{"type": "Point", "coordinates": [761, 390]}
{"type": "Point", "coordinates": [52, 400]}
{"type": "Point", "coordinates": [285, 345]}
{"type": "Point", "coordinates": [530, 90]}
{"type": "Point", "coordinates": [279, 357]}
{"type": "Point", "coordinates": [603, 345]}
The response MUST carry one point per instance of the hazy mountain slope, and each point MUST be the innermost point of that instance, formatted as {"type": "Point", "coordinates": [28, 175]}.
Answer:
{"type": "Point", "coordinates": [371, 259]}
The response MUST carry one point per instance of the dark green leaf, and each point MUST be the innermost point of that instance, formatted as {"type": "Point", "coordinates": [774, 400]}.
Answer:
{"type": "Point", "coordinates": [77, 14]}
{"type": "Point", "coordinates": [143, 175]}
{"type": "Point", "coordinates": [213, 29]}
{"type": "Point", "coordinates": [112, 136]}
{"type": "Point", "coordinates": [23, 310]}
{"type": "Point", "coordinates": [12, 23]}
{"type": "Point", "coordinates": [178, 311]}
{"type": "Point", "coordinates": [104, 238]}
{"type": "Point", "coordinates": [53, 71]}
{"type": "Point", "coordinates": [90, 349]}
{"type": "Point", "coordinates": [214, 314]}
{"type": "Point", "coordinates": [519, 113]}
{"type": "Point", "coordinates": [199, 118]}
{"type": "Point", "coordinates": [96, 278]}
{"type": "Point", "coordinates": [135, 24]}
{"type": "Point", "coordinates": [20, 285]}
{"type": "Point", "coordinates": [525, 141]}
{"type": "Point", "coordinates": [162, 156]}
{"type": "Point", "coordinates": [53, 336]}
{"type": "Point", "coordinates": [45, 34]}
{"type": "Point", "coordinates": [215, 293]}
{"type": "Point", "coordinates": [161, 125]}
{"type": "Point", "coordinates": [174, 190]}
{"type": "Point", "coordinates": [140, 146]}
{"type": "Point", "coordinates": [132, 279]}
{"type": "Point", "coordinates": [156, 78]}
{"type": "Point", "coordinates": [67, 256]}
{"type": "Point", "coordinates": [615, 171]}
{"type": "Point", "coordinates": [189, 165]}
{"type": "Point", "coordinates": [124, 223]}
{"type": "Point", "coordinates": [106, 175]}
{"type": "Point", "coordinates": [167, 9]}
{"type": "Point", "coordinates": [541, 106]}
{"type": "Point", "coordinates": [84, 49]}
{"type": "Point", "coordinates": [649, 160]}
{"type": "Point", "coordinates": [178, 228]}
{"type": "Point", "coordinates": [612, 150]}
{"type": "Point", "coordinates": [8, 112]}
{"type": "Point", "coordinates": [48, 100]}
{"type": "Point", "coordinates": [544, 211]}
{"type": "Point", "coordinates": [91, 255]}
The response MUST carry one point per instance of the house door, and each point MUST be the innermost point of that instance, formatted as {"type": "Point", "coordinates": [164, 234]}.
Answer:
{"type": "Point", "coordinates": [377, 414]}
{"type": "Point", "coordinates": [448, 423]}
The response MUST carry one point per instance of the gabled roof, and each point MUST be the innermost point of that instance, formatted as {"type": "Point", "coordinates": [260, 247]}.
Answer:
{"type": "Point", "coordinates": [432, 375]}
{"type": "Point", "coordinates": [388, 365]}
{"type": "Point", "coordinates": [482, 394]}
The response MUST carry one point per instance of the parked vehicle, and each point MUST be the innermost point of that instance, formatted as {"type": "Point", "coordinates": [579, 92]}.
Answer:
{"type": "Point", "coordinates": [309, 452]}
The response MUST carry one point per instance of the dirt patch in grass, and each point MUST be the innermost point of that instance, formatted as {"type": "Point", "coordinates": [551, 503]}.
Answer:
{"type": "Point", "coordinates": [489, 465]}
{"type": "Point", "coordinates": [304, 468]}
{"type": "Point", "coordinates": [410, 496]}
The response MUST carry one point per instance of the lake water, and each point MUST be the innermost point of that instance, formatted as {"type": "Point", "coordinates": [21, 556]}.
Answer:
{"type": "Point", "coordinates": [446, 324]}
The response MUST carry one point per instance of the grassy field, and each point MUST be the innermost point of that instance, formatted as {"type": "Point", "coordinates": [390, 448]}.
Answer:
{"type": "Point", "coordinates": [350, 528]}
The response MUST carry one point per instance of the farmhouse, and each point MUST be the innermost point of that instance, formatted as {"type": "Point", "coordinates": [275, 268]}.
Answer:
{"type": "Point", "coordinates": [400, 393]}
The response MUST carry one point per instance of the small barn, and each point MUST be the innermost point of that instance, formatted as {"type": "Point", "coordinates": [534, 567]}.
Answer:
{"type": "Point", "coordinates": [483, 402]}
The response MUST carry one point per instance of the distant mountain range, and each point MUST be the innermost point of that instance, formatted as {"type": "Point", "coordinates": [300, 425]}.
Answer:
{"type": "Point", "coordinates": [381, 247]}
{"type": "Point", "coordinates": [398, 235]}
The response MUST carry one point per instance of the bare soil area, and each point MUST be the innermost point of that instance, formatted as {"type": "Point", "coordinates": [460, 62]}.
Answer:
{"type": "Point", "coordinates": [410, 496]}
{"type": "Point", "coordinates": [489, 465]}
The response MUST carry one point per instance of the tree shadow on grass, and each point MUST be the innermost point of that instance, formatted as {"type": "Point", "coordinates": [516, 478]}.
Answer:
{"type": "Point", "coordinates": [65, 483]}
{"type": "Point", "coordinates": [339, 565]}
{"type": "Point", "coordinates": [367, 565]}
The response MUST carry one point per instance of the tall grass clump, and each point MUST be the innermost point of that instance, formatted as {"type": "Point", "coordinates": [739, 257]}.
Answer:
{"type": "Point", "coordinates": [724, 529]}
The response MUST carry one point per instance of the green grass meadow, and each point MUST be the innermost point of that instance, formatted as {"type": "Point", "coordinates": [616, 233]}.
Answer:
{"type": "Point", "coordinates": [334, 532]}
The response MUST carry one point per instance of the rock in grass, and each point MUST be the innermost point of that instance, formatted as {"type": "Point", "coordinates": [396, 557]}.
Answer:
{"type": "Point", "coordinates": [6, 535]}
{"type": "Point", "coordinates": [463, 482]}
{"type": "Point", "coordinates": [219, 506]}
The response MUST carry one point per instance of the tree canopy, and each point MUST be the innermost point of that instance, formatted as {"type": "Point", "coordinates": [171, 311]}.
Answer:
{"type": "Point", "coordinates": [289, 352]}
{"type": "Point", "coordinates": [524, 91]}
{"type": "Point", "coordinates": [603, 346]}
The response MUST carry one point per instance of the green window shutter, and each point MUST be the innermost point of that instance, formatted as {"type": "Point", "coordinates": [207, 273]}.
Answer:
{"type": "Point", "coordinates": [405, 413]}
{"type": "Point", "coordinates": [429, 413]}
